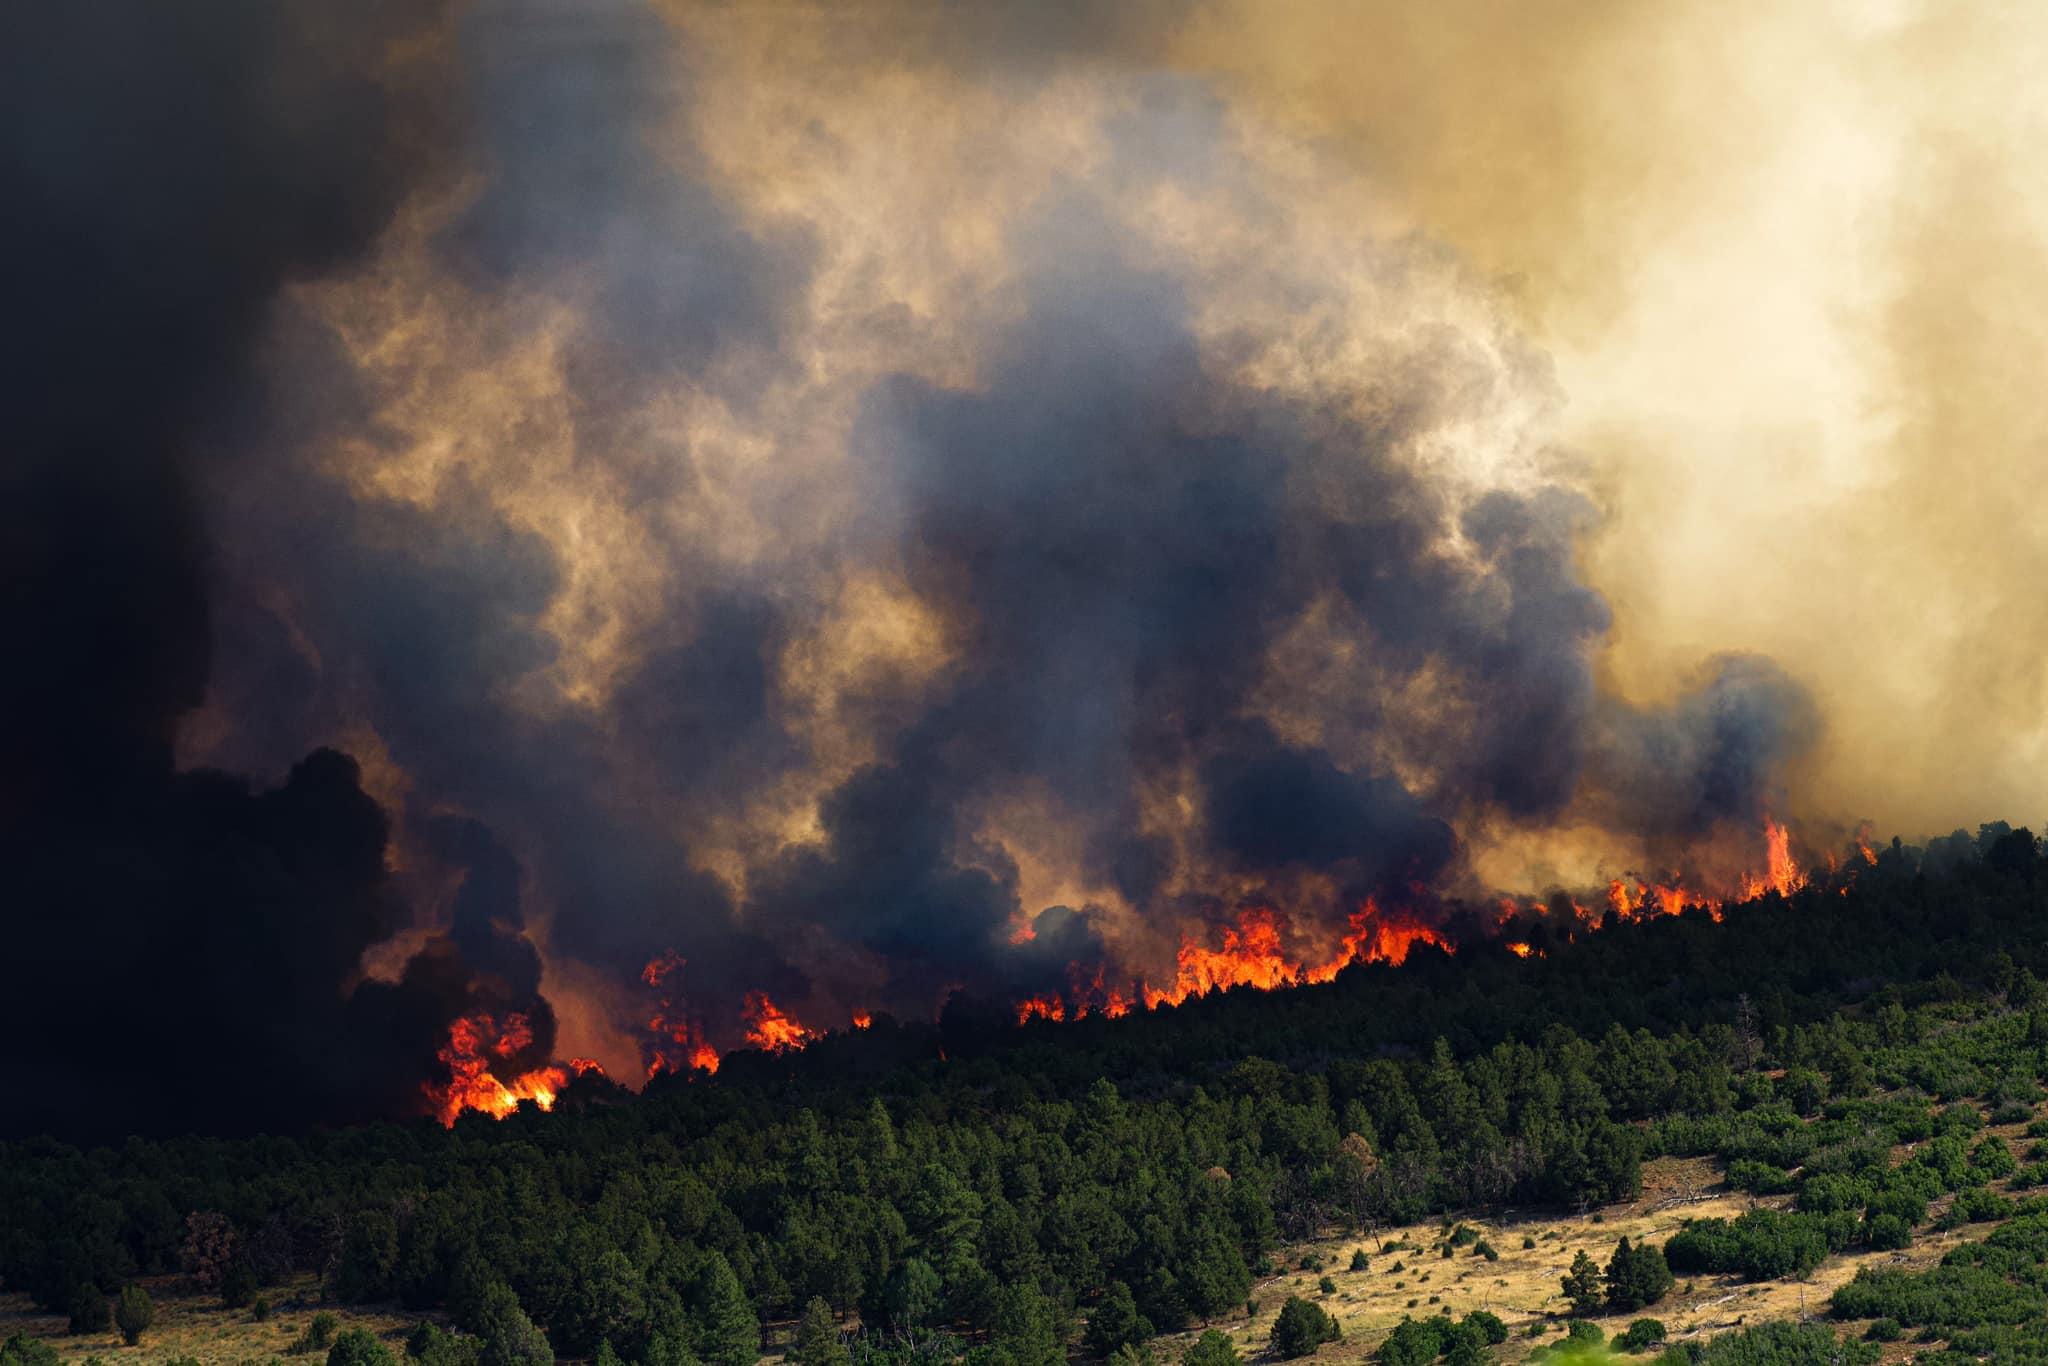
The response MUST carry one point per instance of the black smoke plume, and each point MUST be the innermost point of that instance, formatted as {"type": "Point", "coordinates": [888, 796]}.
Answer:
{"type": "Point", "coordinates": [184, 947]}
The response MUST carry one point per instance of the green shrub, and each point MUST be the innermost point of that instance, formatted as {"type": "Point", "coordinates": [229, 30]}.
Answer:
{"type": "Point", "coordinates": [1327, 1286]}
{"type": "Point", "coordinates": [318, 1335]}
{"type": "Point", "coordinates": [1888, 1232]}
{"type": "Point", "coordinates": [1359, 1261]}
{"type": "Point", "coordinates": [1487, 1326]}
{"type": "Point", "coordinates": [1301, 1327]}
{"type": "Point", "coordinates": [1213, 1348]}
{"type": "Point", "coordinates": [1885, 1330]}
{"type": "Point", "coordinates": [359, 1347]}
{"type": "Point", "coordinates": [1640, 1336]}
{"type": "Point", "coordinates": [22, 1350]}
{"type": "Point", "coordinates": [133, 1313]}
{"type": "Point", "coordinates": [89, 1310]}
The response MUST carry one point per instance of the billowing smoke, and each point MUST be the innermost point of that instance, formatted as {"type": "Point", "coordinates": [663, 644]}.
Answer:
{"type": "Point", "coordinates": [840, 559]}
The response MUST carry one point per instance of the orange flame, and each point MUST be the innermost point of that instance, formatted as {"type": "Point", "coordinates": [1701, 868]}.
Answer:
{"type": "Point", "coordinates": [472, 1085]}
{"type": "Point", "coordinates": [862, 1019]}
{"type": "Point", "coordinates": [1043, 1008]}
{"type": "Point", "coordinates": [772, 1028]}
{"type": "Point", "coordinates": [672, 1027]}
{"type": "Point", "coordinates": [1781, 874]}
{"type": "Point", "coordinates": [1251, 954]}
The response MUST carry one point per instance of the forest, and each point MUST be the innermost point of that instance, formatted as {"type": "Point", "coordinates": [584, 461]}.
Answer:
{"type": "Point", "coordinates": [970, 1189]}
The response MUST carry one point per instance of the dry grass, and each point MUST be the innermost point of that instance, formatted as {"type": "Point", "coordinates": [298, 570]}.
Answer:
{"type": "Point", "coordinates": [196, 1327]}
{"type": "Point", "coordinates": [1522, 1287]}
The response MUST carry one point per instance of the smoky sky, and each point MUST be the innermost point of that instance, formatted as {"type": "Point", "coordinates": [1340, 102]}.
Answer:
{"type": "Point", "coordinates": [1200, 639]}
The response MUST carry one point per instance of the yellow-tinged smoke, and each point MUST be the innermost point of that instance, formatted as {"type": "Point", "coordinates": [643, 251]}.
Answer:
{"type": "Point", "coordinates": [1788, 263]}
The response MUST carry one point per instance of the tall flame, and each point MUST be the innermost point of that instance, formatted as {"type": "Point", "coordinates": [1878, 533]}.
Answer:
{"type": "Point", "coordinates": [1781, 874]}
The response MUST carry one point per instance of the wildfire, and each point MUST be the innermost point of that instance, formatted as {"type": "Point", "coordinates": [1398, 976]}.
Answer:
{"type": "Point", "coordinates": [770, 1027]}
{"type": "Point", "coordinates": [1651, 898]}
{"type": "Point", "coordinates": [1250, 951]}
{"type": "Point", "coordinates": [472, 1042]}
{"type": "Point", "coordinates": [1781, 874]}
{"type": "Point", "coordinates": [671, 1027]}
{"type": "Point", "coordinates": [1041, 1008]}
{"type": "Point", "coordinates": [1251, 954]}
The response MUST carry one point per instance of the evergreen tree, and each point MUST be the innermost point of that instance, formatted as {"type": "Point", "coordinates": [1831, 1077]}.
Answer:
{"type": "Point", "coordinates": [728, 1334]}
{"type": "Point", "coordinates": [912, 1294]}
{"type": "Point", "coordinates": [509, 1336]}
{"type": "Point", "coordinates": [133, 1313]}
{"type": "Point", "coordinates": [1116, 1322]}
{"type": "Point", "coordinates": [1027, 1330]}
{"type": "Point", "coordinates": [1582, 1285]}
{"type": "Point", "coordinates": [89, 1310]}
{"type": "Point", "coordinates": [359, 1347]}
{"type": "Point", "coordinates": [817, 1338]}
{"type": "Point", "coordinates": [1637, 1277]}
{"type": "Point", "coordinates": [1213, 1348]}
{"type": "Point", "coordinates": [1301, 1327]}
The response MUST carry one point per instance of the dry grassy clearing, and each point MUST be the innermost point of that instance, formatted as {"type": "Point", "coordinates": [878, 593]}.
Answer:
{"type": "Point", "coordinates": [196, 1327]}
{"type": "Point", "coordinates": [1522, 1287]}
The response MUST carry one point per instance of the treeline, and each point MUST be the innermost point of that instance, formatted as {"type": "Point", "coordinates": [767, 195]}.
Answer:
{"type": "Point", "coordinates": [1132, 1177]}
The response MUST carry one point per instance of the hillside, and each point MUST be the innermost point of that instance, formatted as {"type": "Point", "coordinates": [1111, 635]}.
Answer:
{"type": "Point", "coordinates": [1795, 1134]}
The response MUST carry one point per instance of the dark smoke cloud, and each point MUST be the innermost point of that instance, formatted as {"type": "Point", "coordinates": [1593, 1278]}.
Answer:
{"type": "Point", "coordinates": [186, 945]}
{"type": "Point", "coordinates": [1717, 753]}
{"type": "Point", "coordinates": [1271, 805]}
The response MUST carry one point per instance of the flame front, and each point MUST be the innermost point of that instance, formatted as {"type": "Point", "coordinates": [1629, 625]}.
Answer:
{"type": "Point", "coordinates": [1251, 954]}
{"type": "Point", "coordinates": [1252, 950]}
